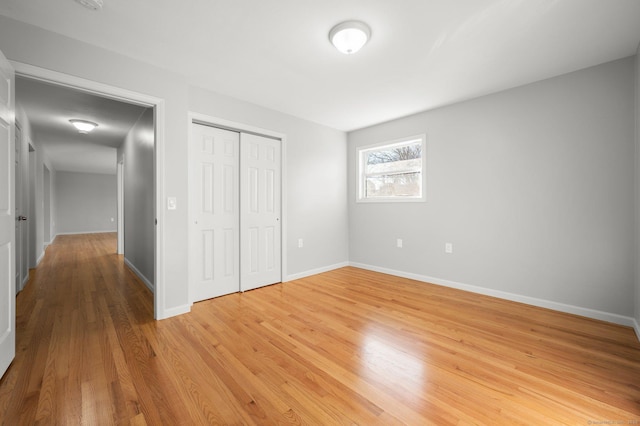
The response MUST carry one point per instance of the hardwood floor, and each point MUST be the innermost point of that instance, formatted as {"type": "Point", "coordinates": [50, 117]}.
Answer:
{"type": "Point", "coordinates": [344, 347]}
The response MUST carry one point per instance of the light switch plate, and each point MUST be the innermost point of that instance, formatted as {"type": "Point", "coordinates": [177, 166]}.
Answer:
{"type": "Point", "coordinates": [172, 203]}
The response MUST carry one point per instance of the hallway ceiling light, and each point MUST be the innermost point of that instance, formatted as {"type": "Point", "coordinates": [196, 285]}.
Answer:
{"type": "Point", "coordinates": [91, 4]}
{"type": "Point", "coordinates": [349, 37]}
{"type": "Point", "coordinates": [83, 126]}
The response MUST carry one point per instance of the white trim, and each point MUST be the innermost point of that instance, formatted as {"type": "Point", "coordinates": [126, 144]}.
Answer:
{"type": "Point", "coordinates": [47, 244]}
{"type": "Point", "coordinates": [636, 327]}
{"type": "Point", "coordinates": [83, 232]}
{"type": "Point", "coordinates": [44, 250]}
{"type": "Point", "coordinates": [120, 205]}
{"type": "Point", "coordinates": [159, 295]}
{"type": "Point", "coordinates": [208, 120]}
{"type": "Point", "coordinates": [316, 271]}
{"type": "Point", "coordinates": [140, 275]}
{"type": "Point", "coordinates": [178, 310]}
{"type": "Point", "coordinates": [40, 258]}
{"type": "Point", "coordinates": [556, 306]}
{"type": "Point", "coordinates": [129, 96]}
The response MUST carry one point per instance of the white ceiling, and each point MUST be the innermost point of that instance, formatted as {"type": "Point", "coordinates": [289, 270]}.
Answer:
{"type": "Point", "coordinates": [422, 54]}
{"type": "Point", "coordinates": [50, 108]}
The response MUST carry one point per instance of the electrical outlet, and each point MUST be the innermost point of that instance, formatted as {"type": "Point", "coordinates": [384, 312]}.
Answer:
{"type": "Point", "coordinates": [300, 243]}
{"type": "Point", "coordinates": [399, 242]}
{"type": "Point", "coordinates": [448, 248]}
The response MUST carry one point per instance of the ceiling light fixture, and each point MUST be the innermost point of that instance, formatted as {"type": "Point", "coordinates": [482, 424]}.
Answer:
{"type": "Point", "coordinates": [83, 126]}
{"type": "Point", "coordinates": [349, 37]}
{"type": "Point", "coordinates": [91, 4]}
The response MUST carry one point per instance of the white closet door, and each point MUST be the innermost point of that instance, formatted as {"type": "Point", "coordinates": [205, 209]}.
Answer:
{"type": "Point", "coordinates": [260, 228]}
{"type": "Point", "coordinates": [214, 240]}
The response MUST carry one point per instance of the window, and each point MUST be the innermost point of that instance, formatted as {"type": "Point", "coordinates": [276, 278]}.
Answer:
{"type": "Point", "coordinates": [393, 171]}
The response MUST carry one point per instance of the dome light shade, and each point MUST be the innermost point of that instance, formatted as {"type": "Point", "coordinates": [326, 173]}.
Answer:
{"type": "Point", "coordinates": [83, 126]}
{"type": "Point", "coordinates": [349, 37]}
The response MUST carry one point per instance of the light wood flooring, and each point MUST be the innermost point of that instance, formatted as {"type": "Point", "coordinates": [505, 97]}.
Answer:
{"type": "Point", "coordinates": [344, 347]}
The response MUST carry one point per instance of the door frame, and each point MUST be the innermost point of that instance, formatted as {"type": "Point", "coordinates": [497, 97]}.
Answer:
{"type": "Point", "coordinates": [20, 203]}
{"type": "Point", "coordinates": [124, 95]}
{"type": "Point", "coordinates": [222, 123]}
{"type": "Point", "coordinates": [120, 198]}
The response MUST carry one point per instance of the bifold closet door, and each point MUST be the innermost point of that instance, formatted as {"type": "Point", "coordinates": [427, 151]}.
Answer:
{"type": "Point", "coordinates": [214, 194]}
{"type": "Point", "coordinates": [260, 225]}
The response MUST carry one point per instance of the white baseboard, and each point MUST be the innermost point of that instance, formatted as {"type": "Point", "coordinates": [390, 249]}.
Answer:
{"type": "Point", "coordinates": [173, 312]}
{"type": "Point", "coordinates": [316, 271]}
{"type": "Point", "coordinates": [40, 258]}
{"type": "Point", "coordinates": [140, 275]}
{"type": "Point", "coordinates": [87, 232]}
{"type": "Point", "coordinates": [47, 244]}
{"type": "Point", "coordinates": [577, 310]}
{"type": "Point", "coordinates": [636, 327]}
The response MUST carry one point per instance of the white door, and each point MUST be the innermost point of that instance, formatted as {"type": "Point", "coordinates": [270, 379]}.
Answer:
{"type": "Point", "coordinates": [260, 228]}
{"type": "Point", "coordinates": [7, 218]}
{"type": "Point", "coordinates": [214, 236]}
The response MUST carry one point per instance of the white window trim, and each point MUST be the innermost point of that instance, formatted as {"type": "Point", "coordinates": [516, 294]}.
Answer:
{"type": "Point", "coordinates": [360, 181]}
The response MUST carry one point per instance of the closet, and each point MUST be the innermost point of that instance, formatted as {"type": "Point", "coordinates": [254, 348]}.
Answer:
{"type": "Point", "coordinates": [234, 208]}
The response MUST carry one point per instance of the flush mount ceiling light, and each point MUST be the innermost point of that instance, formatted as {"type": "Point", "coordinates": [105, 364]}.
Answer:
{"type": "Point", "coordinates": [91, 4]}
{"type": "Point", "coordinates": [349, 37]}
{"type": "Point", "coordinates": [83, 126]}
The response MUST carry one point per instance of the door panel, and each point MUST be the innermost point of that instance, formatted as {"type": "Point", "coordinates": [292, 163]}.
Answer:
{"type": "Point", "coordinates": [214, 236]}
{"type": "Point", "coordinates": [260, 228]}
{"type": "Point", "coordinates": [7, 217]}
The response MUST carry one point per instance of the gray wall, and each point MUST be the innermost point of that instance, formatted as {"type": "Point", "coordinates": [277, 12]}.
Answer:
{"type": "Point", "coordinates": [139, 211]}
{"type": "Point", "coordinates": [533, 186]}
{"type": "Point", "coordinates": [86, 202]}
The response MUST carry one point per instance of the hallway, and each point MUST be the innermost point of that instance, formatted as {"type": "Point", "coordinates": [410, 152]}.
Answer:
{"type": "Point", "coordinates": [71, 352]}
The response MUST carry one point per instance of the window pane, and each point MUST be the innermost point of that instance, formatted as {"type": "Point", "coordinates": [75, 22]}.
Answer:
{"type": "Point", "coordinates": [396, 185]}
{"type": "Point", "coordinates": [400, 153]}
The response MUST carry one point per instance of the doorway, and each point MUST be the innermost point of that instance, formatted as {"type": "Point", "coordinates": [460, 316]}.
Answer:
{"type": "Point", "coordinates": [157, 107]}
{"type": "Point", "coordinates": [235, 209]}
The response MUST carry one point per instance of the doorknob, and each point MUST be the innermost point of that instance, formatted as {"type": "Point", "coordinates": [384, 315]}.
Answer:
{"type": "Point", "coordinates": [22, 218]}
